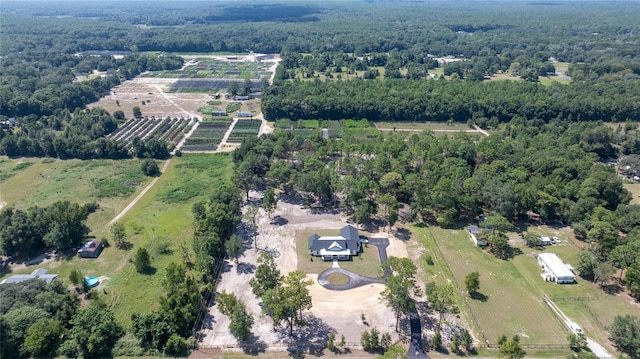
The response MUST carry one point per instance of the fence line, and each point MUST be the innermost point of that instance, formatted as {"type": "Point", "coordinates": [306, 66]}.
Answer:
{"type": "Point", "coordinates": [466, 303]}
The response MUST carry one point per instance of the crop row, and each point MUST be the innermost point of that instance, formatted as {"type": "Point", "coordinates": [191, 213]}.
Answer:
{"type": "Point", "coordinates": [151, 129]}
{"type": "Point", "coordinates": [207, 136]}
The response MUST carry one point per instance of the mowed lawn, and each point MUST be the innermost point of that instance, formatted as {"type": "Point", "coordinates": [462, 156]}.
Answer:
{"type": "Point", "coordinates": [160, 222]}
{"type": "Point", "coordinates": [367, 263]}
{"type": "Point", "coordinates": [28, 182]}
{"type": "Point", "coordinates": [583, 302]}
{"type": "Point", "coordinates": [512, 305]}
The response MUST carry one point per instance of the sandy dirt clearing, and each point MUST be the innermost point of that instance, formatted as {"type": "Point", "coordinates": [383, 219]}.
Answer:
{"type": "Point", "coordinates": [335, 311]}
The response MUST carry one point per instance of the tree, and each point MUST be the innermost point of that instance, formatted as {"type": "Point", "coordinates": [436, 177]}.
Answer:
{"type": "Point", "coordinates": [267, 275]}
{"type": "Point", "coordinates": [624, 333]}
{"type": "Point", "coordinates": [43, 338]}
{"type": "Point", "coordinates": [472, 282]}
{"type": "Point", "coordinates": [241, 322]}
{"type": "Point", "coordinates": [511, 349]}
{"type": "Point", "coordinates": [436, 339]}
{"type": "Point", "coordinates": [152, 329]}
{"type": "Point", "coordinates": [442, 299]}
{"type": "Point", "coordinates": [233, 88]}
{"type": "Point", "coordinates": [394, 352]}
{"type": "Point", "coordinates": [400, 285]}
{"type": "Point", "coordinates": [577, 342]}
{"type": "Point", "coordinates": [137, 113]}
{"type": "Point", "coordinates": [330, 341]}
{"type": "Point", "coordinates": [603, 272]}
{"type": "Point", "coordinates": [251, 216]}
{"type": "Point", "coordinates": [586, 264]}
{"type": "Point", "coordinates": [118, 234]}
{"type": "Point", "coordinates": [269, 201]}
{"type": "Point", "coordinates": [390, 207]}
{"type": "Point", "coordinates": [233, 247]}
{"type": "Point", "coordinates": [95, 330]}
{"type": "Point", "coordinates": [286, 302]}
{"type": "Point", "coordinates": [150, 167]}
{"type": "Point", "coordinates": [16, 324]}
{"type": "Point", "coordinates": [76, 277]}
{"type": "Point", "coordinates": [176, 346]}
{"type": "Point", "coordinates": [142, 260]}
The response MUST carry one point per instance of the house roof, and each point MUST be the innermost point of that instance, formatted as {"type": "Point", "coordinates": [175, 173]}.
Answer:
{"type": "Point", "coordinates": [555, 265]}
{"type": "Point", "coordinates": [473, 229]}
{"type": "Point", "coordinates": [348, 240]}
{"type": "Point", "coordinates": [39, 273]}
{"type": "Point", "coordinates": [90, 246]}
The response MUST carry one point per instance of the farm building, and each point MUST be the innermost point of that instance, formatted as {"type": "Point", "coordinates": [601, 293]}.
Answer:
{"type": "Point", "coordinates": [474, 235]}
{"type": "Point", "coordinates": [340, 247]}
{"type": "Point", "coordinates": [218, 113]}
{"type": "Point", "coordinates": [243, 113]}
{"type": "Point", "coordinates": [91, 249]}
{"type": "Point", "coordinates": [39, 273]}
{"type": "Point", "coordinates": [554, 269]}
{"type": "Point", "coordinates": [241, 97]}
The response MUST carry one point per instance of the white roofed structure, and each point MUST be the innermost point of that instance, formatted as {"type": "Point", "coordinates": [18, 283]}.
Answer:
{"type": "Point", "coordinates": [554, 269]}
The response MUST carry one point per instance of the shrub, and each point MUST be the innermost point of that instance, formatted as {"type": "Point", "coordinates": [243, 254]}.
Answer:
{"type": "Point", "coordinates": [150, 168]}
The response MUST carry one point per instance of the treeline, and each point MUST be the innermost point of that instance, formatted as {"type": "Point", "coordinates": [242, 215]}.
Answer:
{"type": "Point", "coordinates": [61, 225]}
{"type": "Point", "coordinates": [551, 169]}
{"type": "Point", "coordinates": [79, 135]}
{"type": "Point", "coordinates": [45, 320]}
{"type": "Point", "coordinates": [484, 103]}
{"type": "Point", "coordinates": [187, 285]}
{"type": "Point", "coordinates": [569, 32]}
{"type": "Point", "coordinates": [40, 83]}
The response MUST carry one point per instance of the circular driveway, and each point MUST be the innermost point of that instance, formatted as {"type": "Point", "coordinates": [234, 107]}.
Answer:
{"type": "Point", "coordinates": [355, 280]}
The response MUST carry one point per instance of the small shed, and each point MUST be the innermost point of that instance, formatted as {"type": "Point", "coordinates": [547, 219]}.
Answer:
{"type": "Point", "coordinates": [243, 113]}
{"type": "Point", "coordinates": [218, 113]}
{"type": "Point", "coordinates": [91, 249]}
{"type": "Point", "coordinates": [474, 235]}
{"type": "Point", "coordinates": [544, 241]}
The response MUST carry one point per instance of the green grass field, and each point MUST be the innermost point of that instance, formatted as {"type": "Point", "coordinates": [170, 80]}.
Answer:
{"type": "Point", "coordinates": [514, 289]}
{"type": "Point", "coordinates": [421, 126]}
{"type": "Point", "coordinates": [112, 184]}
{"type": "Point", "coordinates": [634, 188]}
{"type": "Point", "coordinates": [161, 223]}
{"type": "Point", "coordinates": [367, 263]}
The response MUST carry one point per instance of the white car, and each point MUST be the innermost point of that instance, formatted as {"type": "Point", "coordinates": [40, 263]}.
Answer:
{"type": "Point", "coordinates": [555, 240]}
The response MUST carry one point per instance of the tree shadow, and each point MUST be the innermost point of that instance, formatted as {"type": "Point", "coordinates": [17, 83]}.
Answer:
{"type": "Point", "coordinates": [311, 338]}
{"type": "Point", "coordinates": [611, 288]}
{"type": "Point", "coordinates": [478, 296]}
{"type": "Point", "coordinates": [245, 268]}
{"type": "Point", "coordinates": [253, 345]}
{"type": "Point", "coordinates": [279, 221]}
{"type": "Point", "coordinates": [402, 234]}
{"type": "Point", "coordinates": [149, 271]}
{"type": "Point", "coordinates": [510, 253]}
{"type": "Point", "coordinates": [126, 246]}
{"type": "Point", "coordinates": [226, 267]}
{"type": "Point", "coordinates": [272, 251]}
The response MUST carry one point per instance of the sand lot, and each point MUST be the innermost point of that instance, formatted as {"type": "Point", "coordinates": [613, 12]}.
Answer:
{"type": "Point", "coordinates": [332, 311]}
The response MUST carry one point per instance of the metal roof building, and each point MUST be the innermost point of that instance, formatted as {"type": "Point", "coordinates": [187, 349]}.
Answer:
{"type": "Point", "coordinates": [554, 269]}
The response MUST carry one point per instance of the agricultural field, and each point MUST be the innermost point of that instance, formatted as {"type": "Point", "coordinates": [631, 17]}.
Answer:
{"type": "Point", "coordinates": [336, 128]}
{"type": "Point", "coordinates": [168, 129]}
{"type": "Point", "coordinates": [28, 182]}
{"type": "Point", "coordinates": [217, 68]}
{"type": "Point", "coordinates": [160, 222]}
{"type": "Point", "coordinates": [207, 136]}
{"type": "Point", "coordinates": [244, 129]}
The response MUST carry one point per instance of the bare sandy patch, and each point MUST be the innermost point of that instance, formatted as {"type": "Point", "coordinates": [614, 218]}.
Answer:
{"type": "Point", "coordinates": [336, 311]}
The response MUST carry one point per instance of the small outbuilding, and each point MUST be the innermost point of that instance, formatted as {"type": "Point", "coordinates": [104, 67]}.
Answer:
{"type": "Point", "coordinates": [218, 113]}
{"type": "Point", "coordinates": [545, 241]}
{"type": "Point", "coordinates": [475, 236]}
{"type": "Point", "coordinates": [243, 113]}
{"type": "Point", "coordinates": [554, 269]}
{"type": "Point", "coordinates": [91, 249]}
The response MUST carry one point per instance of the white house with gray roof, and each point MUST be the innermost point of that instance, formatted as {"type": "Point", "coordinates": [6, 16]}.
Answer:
{"type": "Point", "coordinates": [340, 247]}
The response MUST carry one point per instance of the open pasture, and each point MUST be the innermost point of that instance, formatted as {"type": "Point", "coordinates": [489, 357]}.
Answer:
{"type": "Point", "coordinates": [634, 188]}
{"type": "Point", "coordinates": [111, 184]}
{"type": "Point", "coordinates": [510, 304]}
{"type": "Point", "coordinates": [160, 222]}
